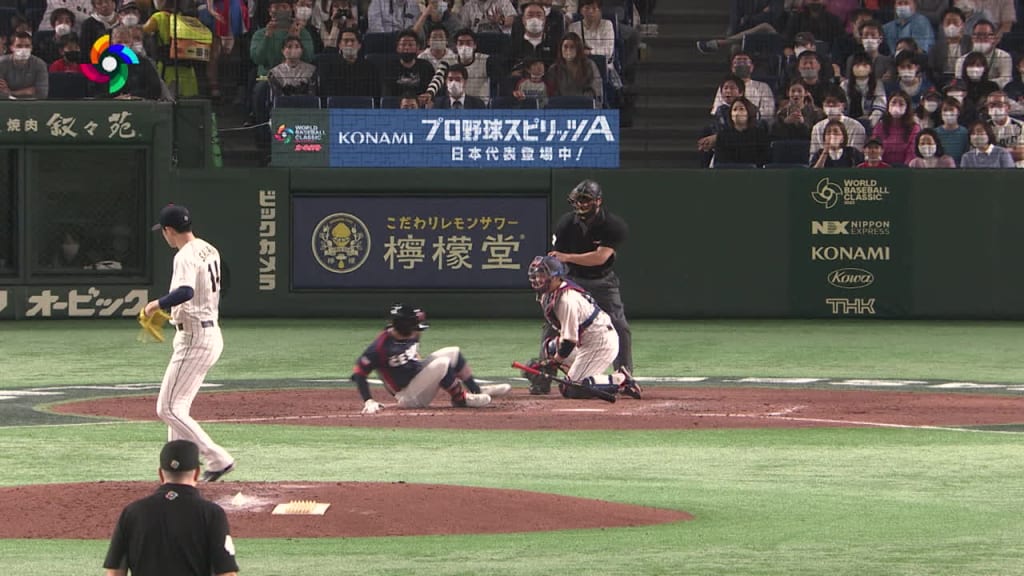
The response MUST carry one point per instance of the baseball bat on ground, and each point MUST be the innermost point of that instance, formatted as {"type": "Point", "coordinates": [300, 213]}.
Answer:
{"type": "Point", "coordinates": [606, 396]}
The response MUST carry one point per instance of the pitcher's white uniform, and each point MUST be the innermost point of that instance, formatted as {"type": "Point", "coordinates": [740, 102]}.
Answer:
{"type": "Point", "coordinates": [197, 346]}
{"type": "Point", "coordinates": [578, 319]}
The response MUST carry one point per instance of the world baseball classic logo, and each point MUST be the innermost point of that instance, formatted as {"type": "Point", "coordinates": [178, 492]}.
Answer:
{"type": "Point", "coordinates": [109, 63]}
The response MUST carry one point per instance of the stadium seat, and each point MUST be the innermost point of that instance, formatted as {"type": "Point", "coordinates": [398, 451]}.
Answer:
{"type": "Point", "coordinates": [68, 86]}
{"type": "Point", "coordinates": [762, 44]}
{"type": "Point", "coordinates": [572, 102]}
{"type": "Point", "coordinates": [734, 166]}
{"type": "Point", "coordinates": [791, 152]}
{"type": "Point", "coordinates": [379, 43]}
{"type": "Point", "coordinates": [391, 102]}
{"type": "Point", "coordinates": [349, 102]}
{"type": "Point", "coordinates": [297, 101]}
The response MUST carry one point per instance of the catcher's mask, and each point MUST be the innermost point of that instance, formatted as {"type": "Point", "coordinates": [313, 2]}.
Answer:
{"type": "Point", "coordinates": [406, 319]}
{"type": "Point", "coordinates": [542, 270]}
{"type": "Point", "coordinates": [585, 198]}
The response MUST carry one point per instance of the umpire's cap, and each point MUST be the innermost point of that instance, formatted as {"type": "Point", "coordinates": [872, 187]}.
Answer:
{"type": "Point", "coordinates": [179, 456]}
{"type": "Point", "coordinates": [406, 319]}
{"type": "Point", "coordinates": [176, 216]}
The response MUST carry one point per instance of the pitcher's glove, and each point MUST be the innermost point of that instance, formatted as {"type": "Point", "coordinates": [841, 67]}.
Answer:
{"type": "Point", "coordinates": [152, 326]}
{"type": "Point", "coordinates": [540, 384]}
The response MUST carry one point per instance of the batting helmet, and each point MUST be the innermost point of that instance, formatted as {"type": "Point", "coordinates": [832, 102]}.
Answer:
{"type": "Point", "coordinates": [407, 319]}
{"type": "Point", "coordinates": [542, 270]}
{"type": "Point", "coordinates": [583, 196]}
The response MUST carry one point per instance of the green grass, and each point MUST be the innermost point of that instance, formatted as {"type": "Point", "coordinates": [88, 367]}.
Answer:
{"type": "Point", "coordinates": [42, 353]}
{"type": "Point", "coordinates": [779, 502]}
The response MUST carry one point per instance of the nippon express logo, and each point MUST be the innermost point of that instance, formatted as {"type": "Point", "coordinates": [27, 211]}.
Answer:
{"type": "Point", "coordinates": [109, 63]}
{"type": "Point", "coordinates": [849, 190]}
{"type": "Point", "coordinates": [304, 137]}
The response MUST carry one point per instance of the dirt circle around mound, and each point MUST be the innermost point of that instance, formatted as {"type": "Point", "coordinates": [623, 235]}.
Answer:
{"type": "Point", "coordinates": [357, 509]}
{"type": "Point", "coordinates": [400, 509]}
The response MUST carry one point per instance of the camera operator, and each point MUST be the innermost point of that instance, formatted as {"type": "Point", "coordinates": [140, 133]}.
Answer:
{"type": "Point", "coordinates": [333, 16]}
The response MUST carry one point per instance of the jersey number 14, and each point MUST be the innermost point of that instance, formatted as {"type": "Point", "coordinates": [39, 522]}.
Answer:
{"type": "Point", "coordinates": [214, 269]}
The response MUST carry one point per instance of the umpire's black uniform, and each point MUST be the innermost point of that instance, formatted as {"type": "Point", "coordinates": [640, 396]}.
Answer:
{"type": "Point", "coordinates": [574, 236]}
{"type": "Point", "coordinates": [174, 531]}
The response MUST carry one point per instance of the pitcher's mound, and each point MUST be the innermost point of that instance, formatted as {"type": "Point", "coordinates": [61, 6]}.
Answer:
{"type": "Point", "coordinates": [357, 509]}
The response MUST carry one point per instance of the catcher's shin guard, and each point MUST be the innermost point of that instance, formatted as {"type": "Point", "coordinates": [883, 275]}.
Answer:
{"type": "Point", "coordinates": [582, 391]}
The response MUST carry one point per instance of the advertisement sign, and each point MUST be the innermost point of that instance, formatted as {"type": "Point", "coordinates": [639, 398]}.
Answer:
{"type": "Point", "coordinates": [374, 138]}
{"type": "Point", "coordinates": [413, 242]}
{"type": "Point", "coordinates": [851, 244]}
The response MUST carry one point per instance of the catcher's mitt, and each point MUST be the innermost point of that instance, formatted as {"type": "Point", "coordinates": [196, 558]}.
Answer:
{"type": "Point", "coordinates": [152, 326]}
{"type": "Point", "coordinates": [540, 384]}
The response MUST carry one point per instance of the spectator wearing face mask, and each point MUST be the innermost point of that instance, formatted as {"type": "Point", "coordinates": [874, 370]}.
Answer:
{"type": "Point", "coordinates": [897, 130]}
{"type": "Point", "coordinates": [1002, 14]}
{"type": "Point", "coordinates": [953, 42]}
{"type": "Point", "coordinates": [910, 79]}
{"type": "Point", "coordinates": [1008, 132]}
{"type": "Point", "coordinates": [67, 253]}
{"type": "Point", "coordinates": [873, 156]}
{"type": "Point", "coordinates": [984, 153]}
{"type": "Point", "coordinates": [22, 75]}
{"type": "Point", "coordinates": [533, 84]}
{"type": "Point", "coordinates": [744, 140]}
{"type": "Point", "coordinates": [835, 111]}
{"type": "Point", "coordinates": [930, 153]}
{"type": "Point", "coordinates": [478, 83]}
{"type": "Point", "coordinates": [974, 74]}
{"type": "Point", "coordinates": [437, 50]}
{"type": "Point", "coordinates": [864, 92]}
{"type": "Point", "coordinates": [999, 64]}
{"type": "Point", "coordinates": [573, 74]}
{"type": "Point", "coordinates": [70, 55]}
{"type": "Point", "coordinates": [951, 134]}
{"type": "Point", "coordinates": [100, 21]}
{"type": "Point", "coordinates": [928, 113]}
{"type": "Point", "coordinates": [873, 46]}
{"type": "Point", "coordinates": [909, 24]}
{"type": "Point", "coordinates": [348, 73]}
{"type": "Point", "coordinates": [455, 97]}
{"type": "Point", "coordinates": [836, 151]}
{"type": "Point", "coordinates": [406, 72]}
{"type": "Point", "coordinates": [79, 8]}
{"type": "Point", "coordinates": [756, 91]}
{"type": "Point", "coordinates": [805, 44]}
{"type": "Point", "coordinates": [46, 44]}
{"type": "Point", "coordinates": [292, 76]}
{"type": "Point", "coordinates": [533, 43]}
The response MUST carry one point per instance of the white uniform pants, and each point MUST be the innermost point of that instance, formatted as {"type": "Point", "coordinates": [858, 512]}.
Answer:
{"type": "Point", "coordinates": [421, 390]}
{"type": "Point", "coordinates": [597, 349]}
{"type": "Point", "coordinates": [195, 352]}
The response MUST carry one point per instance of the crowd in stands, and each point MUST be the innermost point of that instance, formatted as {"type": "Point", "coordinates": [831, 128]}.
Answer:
{"type": "Point", "coordinates": [872, 84]}
{"type": "Point", "coordinates": [499, 53]}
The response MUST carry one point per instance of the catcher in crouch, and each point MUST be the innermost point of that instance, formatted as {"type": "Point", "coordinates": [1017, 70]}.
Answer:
{"type": "Point", "coordinates": [586, 343]}
{"type": "Point", "coordinates": [414, 381]}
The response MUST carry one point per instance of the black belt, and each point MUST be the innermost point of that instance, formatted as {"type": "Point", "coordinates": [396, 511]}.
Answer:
{"type": "Point", "coordinates": [202, 324]}
{"type": "Point", "coordinates": [592, 275]}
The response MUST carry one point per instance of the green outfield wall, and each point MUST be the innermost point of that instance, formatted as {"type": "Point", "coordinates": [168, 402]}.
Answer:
{"type": "Point", "coordinates": [336, 242]}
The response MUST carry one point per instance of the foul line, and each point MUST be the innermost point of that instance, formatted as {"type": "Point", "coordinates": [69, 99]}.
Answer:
{"type": "Point", "coordinates": [851, 422]}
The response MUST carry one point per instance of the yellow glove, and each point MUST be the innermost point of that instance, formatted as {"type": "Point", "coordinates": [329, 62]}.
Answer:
{"type": "Point", "coordinates": [152, 326]}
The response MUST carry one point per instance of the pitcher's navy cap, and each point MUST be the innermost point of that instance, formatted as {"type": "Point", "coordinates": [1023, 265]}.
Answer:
{"type": "Point", "coordinates": [176, 216]}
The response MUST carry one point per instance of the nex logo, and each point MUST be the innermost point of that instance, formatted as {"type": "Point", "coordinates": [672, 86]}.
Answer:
{"type": "Point", "coordinates": [830, 227]}
{"type": "Point", "coordinates": [857, 306]}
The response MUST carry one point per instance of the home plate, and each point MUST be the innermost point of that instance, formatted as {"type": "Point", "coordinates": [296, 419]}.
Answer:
{"type": "Point", "coordinates": [578, 410]}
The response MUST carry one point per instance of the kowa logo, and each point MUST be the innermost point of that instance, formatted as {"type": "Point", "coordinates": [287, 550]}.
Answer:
{"type": "Point", "coordinates": [851, 278]}
{"type": "Point", "coordinates": [853, 253]}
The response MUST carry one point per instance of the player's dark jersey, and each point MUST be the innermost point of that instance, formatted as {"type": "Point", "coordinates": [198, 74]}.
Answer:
{"type": "Point", "coordinates": [574, 237]}
{"type": "Point", "coordinates": [396, 361]}
{"type": "Point", "coordinates": [173, 531]}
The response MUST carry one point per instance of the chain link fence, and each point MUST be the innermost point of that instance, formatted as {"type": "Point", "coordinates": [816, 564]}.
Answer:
{"type": "Point", "coordinates": [8, 212]}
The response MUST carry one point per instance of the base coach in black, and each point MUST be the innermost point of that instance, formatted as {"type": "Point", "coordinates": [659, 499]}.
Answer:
{"type": "Point", "coordinates": [173, 532]}
{"type": "Point", "coordinates": [587, 239]}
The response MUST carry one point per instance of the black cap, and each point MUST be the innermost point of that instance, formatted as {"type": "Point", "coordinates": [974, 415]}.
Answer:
{"type": "Point", "coordinates": [175, 216]}
{"type": "Point", "coordinates": [179, 456]}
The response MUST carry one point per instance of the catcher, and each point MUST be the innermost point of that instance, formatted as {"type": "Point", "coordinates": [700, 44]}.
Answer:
{"type": "Point", "coordinates": [586, 344]}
